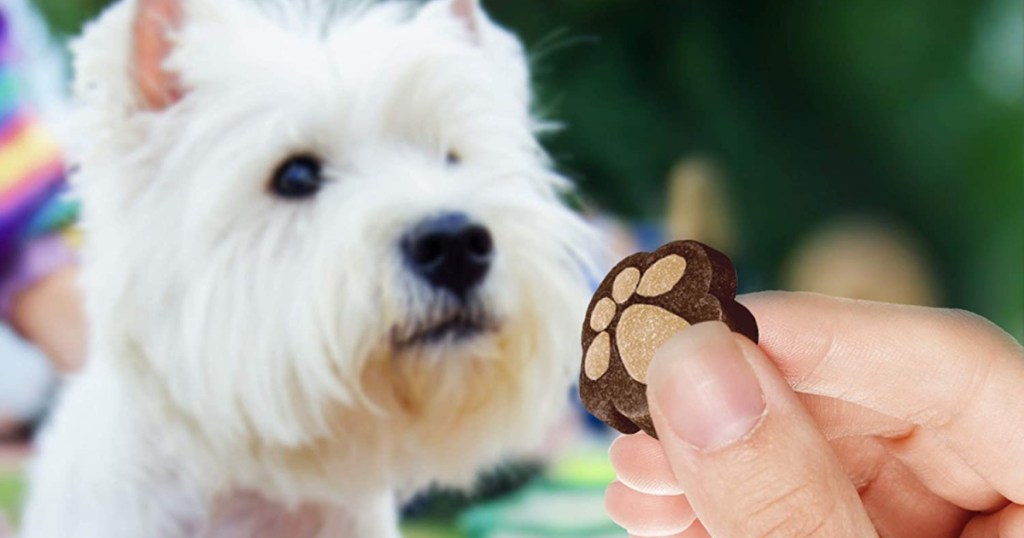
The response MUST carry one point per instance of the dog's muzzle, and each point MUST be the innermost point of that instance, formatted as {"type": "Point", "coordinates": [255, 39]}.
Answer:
{"type": "Point", "coordinates": [452, 255]}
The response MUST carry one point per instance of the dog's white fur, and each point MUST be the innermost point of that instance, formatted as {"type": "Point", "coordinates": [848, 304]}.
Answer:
{"type": "Point", "coordinates": [243, 374]}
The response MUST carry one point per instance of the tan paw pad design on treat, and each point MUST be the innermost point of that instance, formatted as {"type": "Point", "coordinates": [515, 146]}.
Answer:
{"type": "Point", "coordinates": [643, 327]}
{"type": "Point", "coordinates": [643, 302]}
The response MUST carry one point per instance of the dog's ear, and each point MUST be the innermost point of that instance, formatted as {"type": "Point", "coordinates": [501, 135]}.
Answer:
{"type": "Point", "coordinates": [504, 48]}
{"type": "Point", "coordinates": [469, 12]}
{"type": "Point", "coordinates": [153, 27]}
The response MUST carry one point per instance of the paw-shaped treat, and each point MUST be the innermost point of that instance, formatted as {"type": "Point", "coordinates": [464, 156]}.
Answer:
{"type": "Point", "coordinates": [644, 301]}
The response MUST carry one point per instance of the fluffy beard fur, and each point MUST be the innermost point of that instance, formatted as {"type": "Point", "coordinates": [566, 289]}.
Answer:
{"type": "Point", "coordinates": [244, 342]}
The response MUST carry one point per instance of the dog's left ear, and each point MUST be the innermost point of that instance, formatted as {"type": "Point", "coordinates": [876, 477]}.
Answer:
{"type": "Point", "coordinates": [153, 30]}
{"type": "Point", "coordinates": [503, 48]}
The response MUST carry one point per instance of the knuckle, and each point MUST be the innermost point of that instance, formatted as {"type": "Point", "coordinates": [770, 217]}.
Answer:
{"type": "Point", "coordinates": [968, 326]}
{"type": "Point", "coordinates": [794, 510]}
{"type": "Point", "coordinates": [990, 348]}
{"type": "Point", "coordinates": [957, 352]}
{"type": "Point", "coordinates": [964, 324]}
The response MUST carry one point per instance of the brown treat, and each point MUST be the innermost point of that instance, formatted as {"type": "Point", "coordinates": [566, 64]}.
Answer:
{"type": "Point", "coordinates": [643, 301]}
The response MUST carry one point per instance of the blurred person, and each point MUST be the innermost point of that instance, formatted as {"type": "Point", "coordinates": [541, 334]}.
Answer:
{"type": "Point", "coordinates": [39, 303]}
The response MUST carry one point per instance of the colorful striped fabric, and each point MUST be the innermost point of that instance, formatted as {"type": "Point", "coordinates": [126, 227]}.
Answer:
{"type": "Point", "coordinates": [31, 170]}
{"type": "Point", "coordinates": [32, 182]}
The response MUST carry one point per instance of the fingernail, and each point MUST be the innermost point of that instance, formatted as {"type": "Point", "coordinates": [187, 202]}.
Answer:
{"type": "Point", "coordinates": [704, 387]}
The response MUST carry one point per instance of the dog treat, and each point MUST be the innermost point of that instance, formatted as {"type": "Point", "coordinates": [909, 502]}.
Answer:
{"type": "Point", "coordinates": [643, 301]}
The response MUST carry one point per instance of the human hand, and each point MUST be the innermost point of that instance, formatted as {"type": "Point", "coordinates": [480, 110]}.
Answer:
{"type": "Point", "coordinates": [50, 315]}
{"type": "Point", "coordinates": [852, 419]}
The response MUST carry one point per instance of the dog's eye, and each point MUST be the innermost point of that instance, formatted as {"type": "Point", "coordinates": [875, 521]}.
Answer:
{"type": "Point", "coordinates": [298, 177]}
{"type": "Point", "coordinates": [453, 157]}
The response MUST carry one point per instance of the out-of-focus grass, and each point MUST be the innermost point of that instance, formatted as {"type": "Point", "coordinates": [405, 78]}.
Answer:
{"type": "Point", "coordinates": [12, 486]}
{"type": "Point", "coordinates": [429, 530]}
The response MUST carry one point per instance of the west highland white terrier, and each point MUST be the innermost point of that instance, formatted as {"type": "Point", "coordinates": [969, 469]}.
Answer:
{"type": "Point", "coordinates": [327, 265]}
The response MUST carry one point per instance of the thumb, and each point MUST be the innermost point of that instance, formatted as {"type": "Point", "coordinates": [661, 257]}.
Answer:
{"type": "Point", "coordinates": [749, 457]}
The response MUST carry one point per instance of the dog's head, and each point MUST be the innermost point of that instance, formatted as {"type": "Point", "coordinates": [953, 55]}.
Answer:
{"type": "Point", "coordinates": [320, 222]}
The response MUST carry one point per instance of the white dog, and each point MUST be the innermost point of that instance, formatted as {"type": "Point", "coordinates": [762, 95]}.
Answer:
{"type": "Point", "coordinates": [327, 265]}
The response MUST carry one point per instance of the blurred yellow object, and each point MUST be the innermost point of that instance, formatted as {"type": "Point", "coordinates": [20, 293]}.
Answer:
{"type": "Point", "coordinates": [861, 258]}
{"type": "Point", "coordinates": [698, 205]}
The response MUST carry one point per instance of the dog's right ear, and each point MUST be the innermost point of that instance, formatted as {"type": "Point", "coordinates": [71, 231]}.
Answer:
{"type": "Point", "coordinates": [153, 28]}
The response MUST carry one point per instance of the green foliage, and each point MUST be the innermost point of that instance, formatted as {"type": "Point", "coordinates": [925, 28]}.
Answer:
{"type": "Point", "coordinates": [67, 16]}
{"type": "Point", "coordinates": [815, 109]}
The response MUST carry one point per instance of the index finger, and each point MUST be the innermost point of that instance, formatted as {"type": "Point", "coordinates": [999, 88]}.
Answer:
{"type": "Point", "coordinates": [942, 370]}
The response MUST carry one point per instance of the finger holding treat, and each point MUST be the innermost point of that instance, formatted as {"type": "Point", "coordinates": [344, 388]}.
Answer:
{"type": "Point", "coordinates": [644, 301]}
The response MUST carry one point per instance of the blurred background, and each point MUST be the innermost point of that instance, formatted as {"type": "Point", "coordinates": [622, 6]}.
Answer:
{"type": "Point", "coordinates": [868, 148]}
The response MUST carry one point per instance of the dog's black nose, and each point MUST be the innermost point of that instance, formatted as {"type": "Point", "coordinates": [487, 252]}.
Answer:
{"type": "Point", "coordinates": [450, 252]}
